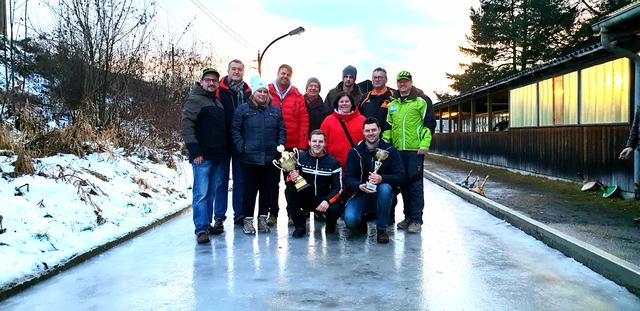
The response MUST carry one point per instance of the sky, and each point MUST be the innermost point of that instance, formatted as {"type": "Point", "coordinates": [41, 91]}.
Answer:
{"type": "Point", "coordinates": [415, 35]}
{"type": "Point", "coordinates": [419, 36]}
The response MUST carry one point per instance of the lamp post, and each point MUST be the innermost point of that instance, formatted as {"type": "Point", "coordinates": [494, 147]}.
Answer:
{"type": "Point", "coordinates": [296, 31]}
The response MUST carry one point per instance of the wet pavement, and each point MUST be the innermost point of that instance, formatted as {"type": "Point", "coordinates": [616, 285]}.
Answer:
{"type": "Point", "coordinates": [605, 223]}
{"type": "Point", "coordinates": [463, 259]}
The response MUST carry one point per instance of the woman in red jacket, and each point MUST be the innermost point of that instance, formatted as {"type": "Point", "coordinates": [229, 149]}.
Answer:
{"type": "Point", "coordinates": [343, 127]}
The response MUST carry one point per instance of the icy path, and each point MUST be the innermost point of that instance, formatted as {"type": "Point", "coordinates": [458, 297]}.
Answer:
{"type": "Point", "coordinates": [464, 259]}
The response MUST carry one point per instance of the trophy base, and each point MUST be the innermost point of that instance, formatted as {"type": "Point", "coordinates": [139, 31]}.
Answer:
{"type": "Point", "coordinates": [372, 187]}
{"type": "Point", "coordinates": [300, 184]}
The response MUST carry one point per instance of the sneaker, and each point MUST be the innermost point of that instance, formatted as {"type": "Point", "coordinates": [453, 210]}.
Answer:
{"type": "Point", "coordinates": [248, 227]}
{"type": "Point", "coordinates": [298, 232]}
{"type": "Point", "coordinates": [414, 228]}
{"type": "Point", "coordinates": [362, 227]}
{"type": "Point", "coordinates": [217, 227]}
{"type": "Point", "coordinates": [263, 224]}
{"type": "Point", "coordinates": [202, 237]}
{"type": "Point", "coordinates": [330, 227]}
{"type": "Point", "coordinates": [272, 221]}
{"type": "Point", "coordinates": [383, 236]}
{"type": "Point", "coordinates": [290, 223]}
{"type": "Point", "coordinates": [403, 224]}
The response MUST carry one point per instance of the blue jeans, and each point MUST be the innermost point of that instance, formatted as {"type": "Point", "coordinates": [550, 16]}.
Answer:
{"type": "Point", "coordinates": [222, 192]}
{"type": "Point", "coordinates": [379, 202]}
{"type": "Point", "coordinates": [206, 179]}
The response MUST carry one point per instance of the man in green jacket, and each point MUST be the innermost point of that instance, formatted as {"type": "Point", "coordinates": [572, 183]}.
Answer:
{"type": "Point", "coordinates": [409, 118]}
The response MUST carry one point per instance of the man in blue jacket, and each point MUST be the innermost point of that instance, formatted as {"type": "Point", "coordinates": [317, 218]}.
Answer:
{"type": "Point", "coordinates": [204, 130]}
{"type": "Point", "coordinates": [359, 170]}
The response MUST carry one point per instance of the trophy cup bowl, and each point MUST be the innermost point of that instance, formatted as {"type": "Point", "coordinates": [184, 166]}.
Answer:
{"type": "Point", "coordinates": [288, 162]}
{"type": "Point", "coordinates": [381, 155]}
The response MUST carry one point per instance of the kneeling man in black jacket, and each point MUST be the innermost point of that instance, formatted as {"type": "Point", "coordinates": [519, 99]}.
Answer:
{"type": "Point", "coordinates": [324, 175]}
{"type": "Point", "coordinates": [373, 191]}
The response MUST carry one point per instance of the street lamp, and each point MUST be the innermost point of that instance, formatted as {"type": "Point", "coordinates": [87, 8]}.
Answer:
{"type": "Point", "coordinates": [296, 31]}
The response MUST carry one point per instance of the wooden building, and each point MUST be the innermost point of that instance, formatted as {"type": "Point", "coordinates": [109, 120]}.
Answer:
{"type": "Point", "coordinates": [566, 116]}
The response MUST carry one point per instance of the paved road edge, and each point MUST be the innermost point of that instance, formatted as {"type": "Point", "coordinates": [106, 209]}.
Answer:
{"type": "Point", "coordinates": [22, 284]}
{"type": "Point", "coordinates": [615, 269]}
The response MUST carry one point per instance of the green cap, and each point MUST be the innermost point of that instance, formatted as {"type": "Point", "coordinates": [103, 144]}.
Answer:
{"type": "Point", "coordinates": [210, 70]}
{"type": "Point", "coordinates": [404, 75]}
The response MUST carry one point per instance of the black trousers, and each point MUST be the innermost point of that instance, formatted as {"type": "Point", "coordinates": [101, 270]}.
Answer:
{"type": "Point", "coordinates": [305, 201]}
{"type": "Point", "coordinates": [261, 179]}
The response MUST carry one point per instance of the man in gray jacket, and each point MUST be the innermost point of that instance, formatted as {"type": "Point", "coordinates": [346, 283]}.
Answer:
{"type": "Point", "coordinates": [204, 130]}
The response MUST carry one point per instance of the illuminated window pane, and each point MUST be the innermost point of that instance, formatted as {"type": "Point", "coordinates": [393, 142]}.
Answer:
{"type": "Point", "coordinates": [523, 106]}
{"type": "Point", "coordinates": [546, 102]}
{"type": "Point", "coordinates": [569, 99]}
{"type": "Point", "coordinates": [559, 100]}
{"type": "Point", "coordinates": [605, 92]}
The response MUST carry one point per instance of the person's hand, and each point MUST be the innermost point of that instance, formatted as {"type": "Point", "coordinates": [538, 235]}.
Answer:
{"type": "Point", "coordinates": [323, 206]}
{"type": "Point", "coordinates": [374, 178]}
{"type": "Point", "coordinates": [294, 174]}
{"type": "Point", "coordinates": [363, 188]}
{"type": "Point", "coordinates": [422, 151]}
{"type": "Point", "coordinates": [626, 153]}
{"type": "Point", "coordinates": [198, 160]}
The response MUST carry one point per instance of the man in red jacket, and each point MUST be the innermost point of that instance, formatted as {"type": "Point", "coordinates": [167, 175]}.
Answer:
{"type": "Point", "coordinates": [295, 116]}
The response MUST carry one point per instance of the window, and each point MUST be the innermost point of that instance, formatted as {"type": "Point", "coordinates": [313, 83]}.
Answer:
{"type": "Point", "coordinates": [523, 104]}
{"type": "Point", "coordinates": [605, 92]}
{"type": "Point", "coordinates": [559, 100]}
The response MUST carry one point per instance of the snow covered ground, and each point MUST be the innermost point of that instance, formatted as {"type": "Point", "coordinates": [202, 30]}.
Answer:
{"type": "Point", "coordinates": [50, 216]}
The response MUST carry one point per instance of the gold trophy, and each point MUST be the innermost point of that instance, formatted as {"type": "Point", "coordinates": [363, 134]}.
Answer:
{"type": "Point", "coordinates": [288, 162]}
{"type": "Point", "coordinates": [381, 155]}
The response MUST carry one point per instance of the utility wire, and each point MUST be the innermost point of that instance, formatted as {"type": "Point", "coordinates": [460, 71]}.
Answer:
{"type": "Point", "coordinates": [228, 30]}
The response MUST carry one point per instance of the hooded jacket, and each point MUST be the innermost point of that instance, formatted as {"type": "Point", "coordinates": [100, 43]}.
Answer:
{"type": "Point", "coordinates": [295, 116]}
{"type": "Point", "coordinates": [338, 144]}
{"type": "Point", "coordinates": [361, 161]}
{"type": "Point", "coordinates": [409, 121]}
{"type": "Point", "coordinates": [333, 94]}
{"type": "Point", "coordinates": [203, 125]}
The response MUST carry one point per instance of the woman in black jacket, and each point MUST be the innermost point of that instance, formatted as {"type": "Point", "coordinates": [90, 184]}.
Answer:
{"type": "Point", "coordinates": [257, 129]}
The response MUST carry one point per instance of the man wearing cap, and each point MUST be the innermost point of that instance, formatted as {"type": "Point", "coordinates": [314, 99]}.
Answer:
{"type": "Point", "coordinates": [204, 130]}
{"type": "Point", "coordinates": [408, 116]}
{"type": "Point", "coordinates": [348, 85]}
{"type": "Point", "coordinates": [232, 92]}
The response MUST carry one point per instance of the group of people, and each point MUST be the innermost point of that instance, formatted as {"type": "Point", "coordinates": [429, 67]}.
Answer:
{"type": "Point", "coordinates": [358, 150]}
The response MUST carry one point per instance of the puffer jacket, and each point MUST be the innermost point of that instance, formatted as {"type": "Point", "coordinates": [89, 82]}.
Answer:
{"type": "Point", "coordinates": [203, 125]}
{"type": "Point", "coordinates": [295, 116]}
{"type": "Point", "coordinates": [408, 119]}
{"type": "Point", "coordinates": [338, 144]}
{"type": "Point", "coordinates": [361, 162]}
{"type": "Point", "coordinates": [256, 133]}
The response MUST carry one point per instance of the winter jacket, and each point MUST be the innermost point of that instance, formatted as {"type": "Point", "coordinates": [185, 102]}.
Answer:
{"type": "Point", "coordinates": [317, 110]}
{"type": "Point", "coordinates": [375, 104]}
{"type": "Point", "coordinates": [408, 120]}
{"type": "Point", "coordinates": [633, 132]}
{"type": "Point", "coordinates": [323, 173]}
{"type": "Point", "coordinates": [337, 142]}
{"type": "Point", "coordinates": [361, 162]}
{"type": "Point", "coordinates": [203, 125]}
{"type": "Point", "coordinates": [430, 118]}
{"type": "Point", "coordinates": [295, 116]}
{"type": "Point", "coordinates": [333, 95]}
{"type": "Point", "coordinates": [256, 132]}
{"type": "Point", "coordinates": [231, 99]}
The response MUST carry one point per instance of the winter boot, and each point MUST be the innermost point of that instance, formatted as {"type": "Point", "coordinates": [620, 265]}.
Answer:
{"type": "Point", "coordinates": [262, 224]}
{"type": "Point", "coordinates": [248, 227]}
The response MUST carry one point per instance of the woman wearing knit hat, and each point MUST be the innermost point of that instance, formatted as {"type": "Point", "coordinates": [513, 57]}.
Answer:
{"type": "Point", "coordinates": [257, 130]}
{"type": "Point", "coordinates": [316, 107]}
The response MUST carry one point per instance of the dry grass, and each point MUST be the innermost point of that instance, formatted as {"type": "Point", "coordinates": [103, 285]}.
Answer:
{"type": "Point", "coordinates": [77, 139]}
{"type": "Point", "coordinates": [6, 142]}
{"type": "Point", "coordinates": [23, 165]}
